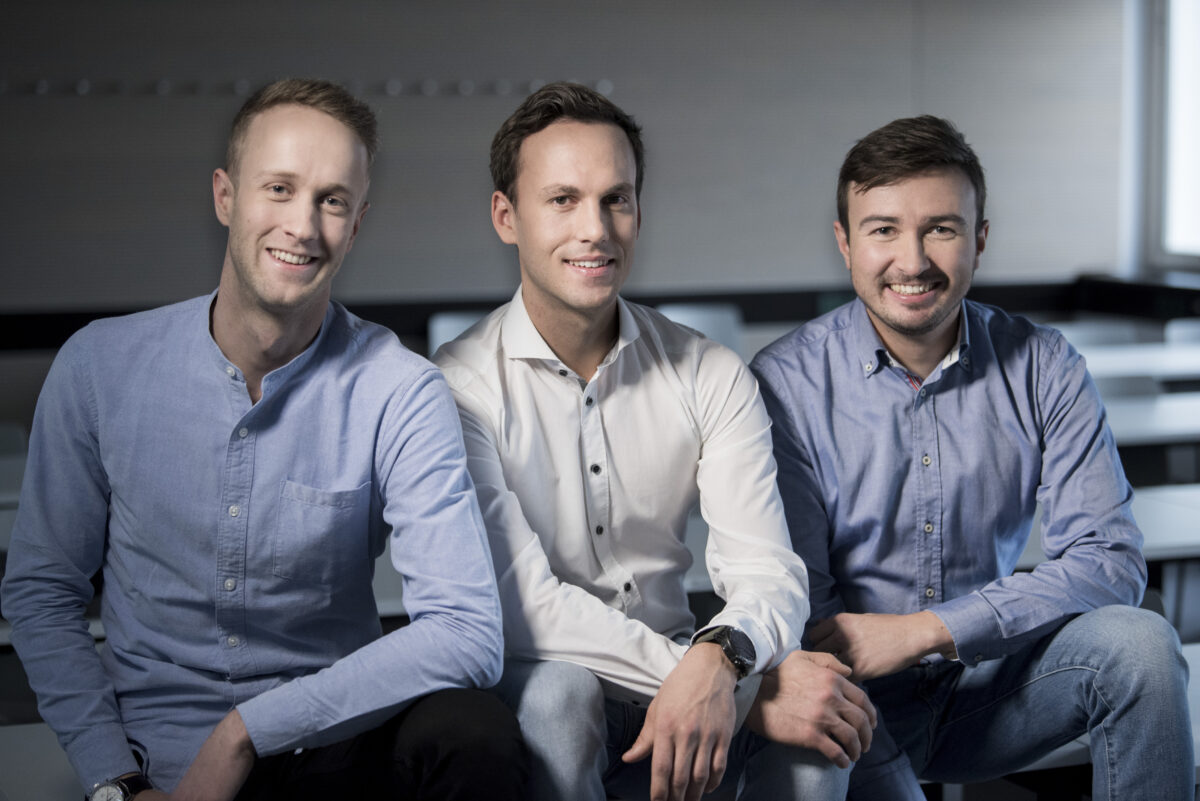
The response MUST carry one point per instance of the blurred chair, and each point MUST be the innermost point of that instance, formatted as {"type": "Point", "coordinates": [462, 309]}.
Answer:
{"type": "Point", "coordinates": [1105, 330]}
{"type": "Point", "coordinates": [445, 326]}
{"type": "Point", "coordinates": [720, 322]}
{"type": "Point", "coordinates": [1182, 329]}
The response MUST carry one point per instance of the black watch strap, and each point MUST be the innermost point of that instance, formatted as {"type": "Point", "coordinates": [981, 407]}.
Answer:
{"type": "Point", "coordinates": [135, 784]}
{"type": "Point", "coordinates": [737, 646]}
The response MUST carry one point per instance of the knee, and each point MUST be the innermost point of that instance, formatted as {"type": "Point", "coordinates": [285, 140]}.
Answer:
{"type": "Point", "coordinates": [1138, 644]}
{"type": "Point", "coordinates": [469, 723]}
{"type": "Point", "coordinates": [556, 691]}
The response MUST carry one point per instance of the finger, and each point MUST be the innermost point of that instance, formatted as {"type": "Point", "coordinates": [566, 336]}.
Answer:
{"type": "Point", "coordinates": [662, 767]}
{"type": "Point", "coordinates": [719, 763]}
{"type": "Point", "coordinates": [827, 661]}
{"type": "Point", "coordinates": [833, 751]}
{"type": "Point", "coordinates": [642, 746]}
{"type": "Point", "coordinates": [858, 696]}
{"type": "Point", "coordinates": [846, 734]}
{"type": "Point", "coordinates": [821, 629]}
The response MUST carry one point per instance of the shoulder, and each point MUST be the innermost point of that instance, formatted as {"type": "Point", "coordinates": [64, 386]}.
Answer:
{"type": "Point", "coordinates": [130, 339]}
{"type": "Point", "coordinates": [808, 345]}
{"type": "Point", "coordinates": [1007, 336]}
{"type": "Point", "coordinates": [374, 352]}
{"type": "Point", "coordinates": [476, 354]}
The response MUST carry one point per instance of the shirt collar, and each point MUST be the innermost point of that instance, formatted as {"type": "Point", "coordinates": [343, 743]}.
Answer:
{"type": "Point", "coordinates": [873, 355]}
{"type": "Point", "coordinates": [278, 375]}
{"type": "Point", "coordinates": [521, 340]}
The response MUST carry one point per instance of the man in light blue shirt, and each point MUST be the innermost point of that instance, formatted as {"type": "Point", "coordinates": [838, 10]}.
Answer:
{"type": "Point", "coordinates": [916, 432]}
{"type": "Point", "coordinates": [232, 466]}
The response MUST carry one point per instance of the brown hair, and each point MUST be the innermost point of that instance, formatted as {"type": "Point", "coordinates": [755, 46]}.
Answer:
{"type": "Point", "coordinates": [904, 148]}
{"type": "Point", "coordinates": [551, 103]}
{"type": "Point", "coordinates": [317, 94]}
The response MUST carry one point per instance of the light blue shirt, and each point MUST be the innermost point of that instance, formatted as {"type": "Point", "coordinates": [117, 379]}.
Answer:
{"type": "Point", "coordinates": [904, 495]}
{"type": "Point", "coordinates": [237, 542]}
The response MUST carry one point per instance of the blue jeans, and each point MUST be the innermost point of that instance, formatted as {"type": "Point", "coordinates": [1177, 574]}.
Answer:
{"type": "Point", "coordinates": [576, 737]}
{"type": "Point", "coordinates": [1115, 672]}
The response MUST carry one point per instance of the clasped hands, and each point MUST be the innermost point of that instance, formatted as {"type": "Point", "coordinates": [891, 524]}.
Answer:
{"type": "Point", "coordinates": [806, 701]}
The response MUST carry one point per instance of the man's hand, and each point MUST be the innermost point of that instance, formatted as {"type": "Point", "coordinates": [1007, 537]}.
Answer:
{"type": "Point", "coordinates": [878, 645]}
{"type": "Point", "coordinates": [689, 725]}
{"type": "Point", "coordinates": [222, 765]}
{"type": "Point", "coordinates": [807, 701]}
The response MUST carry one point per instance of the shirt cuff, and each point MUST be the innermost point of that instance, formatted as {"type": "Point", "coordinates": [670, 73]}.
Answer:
{"type": "Point", "coordinates": [100, 754]}
{"type": "Point", "coordinates": [271, 729]}
{"type": "Point", "coordinates": [972, 624]}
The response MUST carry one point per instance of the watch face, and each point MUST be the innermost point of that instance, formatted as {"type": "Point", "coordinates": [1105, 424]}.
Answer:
{"type": "Point", "coordinates": [107, 792]}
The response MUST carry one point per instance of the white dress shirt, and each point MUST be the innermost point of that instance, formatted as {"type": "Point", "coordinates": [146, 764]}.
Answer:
{"type": "Point", "coordinates": [586, 484]}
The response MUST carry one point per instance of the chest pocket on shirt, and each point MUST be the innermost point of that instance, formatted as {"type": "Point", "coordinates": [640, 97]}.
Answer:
{"type": "Point", "coordinates": [321, 535]}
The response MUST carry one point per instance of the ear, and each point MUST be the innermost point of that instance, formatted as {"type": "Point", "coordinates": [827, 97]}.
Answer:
{"type": "Point", "coordinates": [223, 195]}
{"type": "Point", "coordinates": [980, 242]}
{"type": "Point", "coordinates": [843, 241]}
{"type": "Point", "coordinates": [504, 213]}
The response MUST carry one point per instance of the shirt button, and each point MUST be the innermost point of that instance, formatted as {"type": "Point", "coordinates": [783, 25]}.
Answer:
{"type": "Point", "coordinates": [596, 469]}
{"type": "Point", "coordinates": [562, 372]}
{"type": "Point", "coordinates": [925, 460]}
{"type": "Point", "coordinates": [628, 586]}
{"type": "Point", "coordinates": [599, 529]}
{"type": "Point", "coordinates": [922, 393]}
{"type": "Point", "coordinates": [868, 367]}
{"type": "Point", "coordinates": [243, 432]}
{"type": "Point", "coordinates": [230, 584]}
{"type": "Point", "coordinates": [928, 528]}
{"type": "Point", "coordinates": [588, 402]}
{"type": "Point", "coordinates": [229, 371]}
{"type": "Point", "coordinates": [978, 657]}
{"type": "Point", "coordinates": [232, 641]}
{"type": "Point", "coordinates": [929, 592]}
{"type": "Point", "coordinates": [234, 510]}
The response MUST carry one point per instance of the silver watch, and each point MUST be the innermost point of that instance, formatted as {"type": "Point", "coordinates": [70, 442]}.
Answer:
{"type": "Point", "coordinates": [120, 789]}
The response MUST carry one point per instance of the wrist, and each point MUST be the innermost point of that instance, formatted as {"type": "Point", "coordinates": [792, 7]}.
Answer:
{"type": "Point", "coordinates": [734, 645]}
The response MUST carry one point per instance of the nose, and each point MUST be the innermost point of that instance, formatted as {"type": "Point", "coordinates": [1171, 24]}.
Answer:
{"type": "Point", "coordinates": [594, 222]}
{"type": "Point", "coordinates": [911, 258]}
{"type": "Point", "coordinates": [301, 220]}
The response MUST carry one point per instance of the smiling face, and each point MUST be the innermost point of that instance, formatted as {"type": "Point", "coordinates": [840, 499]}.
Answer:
{"type": "Point", "coordinates": [912, 248]}
{"type": "Point", "coordinates": [577, 222]}
{"type": "Point", "coordinates": [293, 208]}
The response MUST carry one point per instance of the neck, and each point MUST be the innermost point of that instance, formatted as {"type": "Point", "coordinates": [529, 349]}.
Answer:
{"type": "Point", "coordinates": [581, 341]}
{"type": "Point", "coordinates": [258, 341]}
{"type": "Point", "coordinates": [919, 354]}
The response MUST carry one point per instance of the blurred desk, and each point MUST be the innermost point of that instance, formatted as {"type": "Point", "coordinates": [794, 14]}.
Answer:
{"type": "Point", "coordinates": [1176, 361]}
{"type": "Point", "coordinates": [1165, 419]}
{"type": "Point", "coordinates": [1169, 518]}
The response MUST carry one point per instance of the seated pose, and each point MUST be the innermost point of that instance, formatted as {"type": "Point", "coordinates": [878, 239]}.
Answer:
{"type": "Point", "coordinates": [916, 432]}
{"type": "Point", "coordinates": [232, 466]}
{"type": "Point", "coordinates": [592, 427]}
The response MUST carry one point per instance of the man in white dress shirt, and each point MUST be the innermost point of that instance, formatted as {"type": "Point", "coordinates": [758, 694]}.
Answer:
{"type": "Point", "coordinates": [593, 426]}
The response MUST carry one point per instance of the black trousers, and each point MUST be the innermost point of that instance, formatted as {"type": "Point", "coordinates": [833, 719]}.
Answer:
{"type": "Point", "coordinates": [452, 744]}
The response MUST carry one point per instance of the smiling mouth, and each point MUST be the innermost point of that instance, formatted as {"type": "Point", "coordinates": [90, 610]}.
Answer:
{"type": "Point", "coordinates": [911, 289]}
{"type": "Point", "coordinates": [291, 258]}
{"type": "Point", "coordinates": [589, 264]}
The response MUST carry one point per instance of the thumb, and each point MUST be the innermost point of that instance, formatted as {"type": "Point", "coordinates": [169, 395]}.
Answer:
{"type": "Point", "coordinates": [644, 743]}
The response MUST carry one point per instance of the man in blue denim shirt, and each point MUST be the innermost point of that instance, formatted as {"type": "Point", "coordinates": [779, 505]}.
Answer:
{"type": "Point", "coordinates": [915, 433]}
{"type": "Point", "coordinates": [232, 466]}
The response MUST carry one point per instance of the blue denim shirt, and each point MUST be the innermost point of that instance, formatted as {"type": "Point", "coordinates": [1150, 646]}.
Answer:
{"type": "Point", "coordinates": [904, 495]}
{"type": "Point", "coordinates": [237, 542]}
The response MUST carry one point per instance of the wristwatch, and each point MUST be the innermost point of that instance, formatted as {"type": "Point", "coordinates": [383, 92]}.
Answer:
{"type": "Point", "coordinates": [738, 647]}
{"type": "Point", "coordinates": [120, 789]}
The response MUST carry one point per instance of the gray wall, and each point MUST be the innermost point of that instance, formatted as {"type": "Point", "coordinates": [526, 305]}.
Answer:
{"type": "Point", "coordinates": [748, 108]}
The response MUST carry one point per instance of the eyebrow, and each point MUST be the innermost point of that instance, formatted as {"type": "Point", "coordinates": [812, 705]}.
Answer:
{"type": "Point", "coordinates": [555, 190]}
{"type": "Point", "coordinates": [934, 220]}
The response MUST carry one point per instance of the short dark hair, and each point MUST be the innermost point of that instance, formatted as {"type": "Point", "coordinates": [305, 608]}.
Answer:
{"type": "Point", "coordinates": [902, 149]}
{"type": "Point", "coordinates": [551, 103]}
{"type": "Point", "coordinates": [316, 94]}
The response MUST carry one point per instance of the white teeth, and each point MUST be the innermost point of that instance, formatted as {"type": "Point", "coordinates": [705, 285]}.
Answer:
{"type": "Point", "coordinates": [910, 289]}
{"type": "Point", "coordinates": [290, 258]}
{"type": "Point", "coordinates": [591, 263]}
